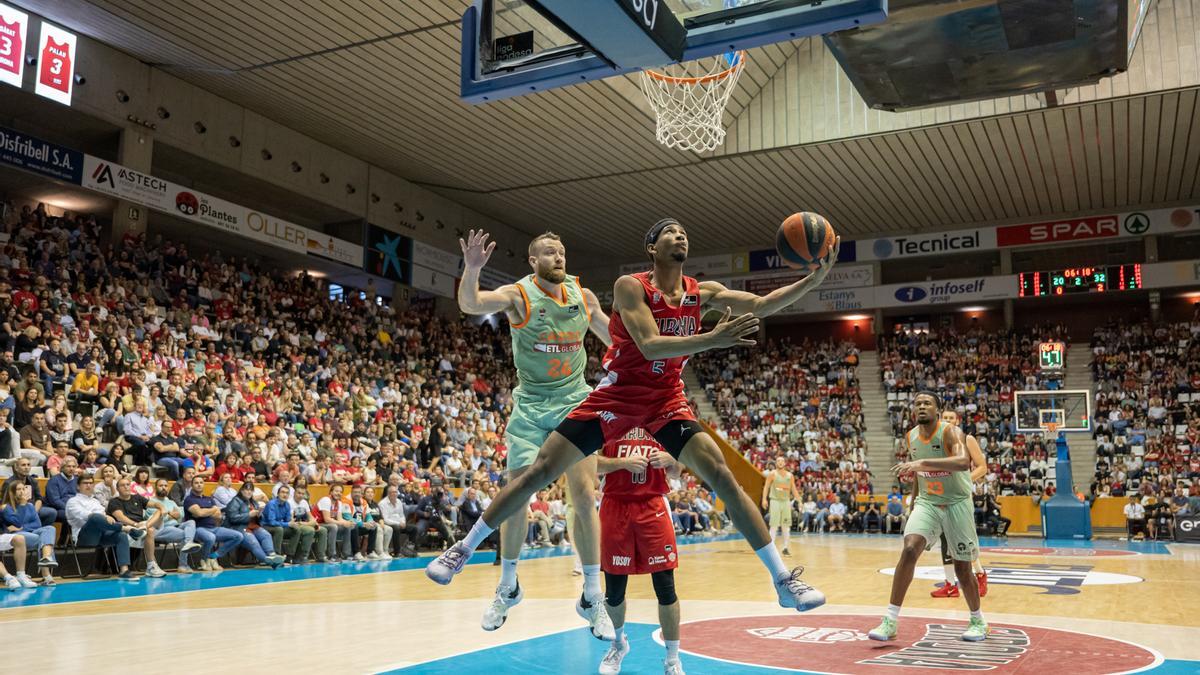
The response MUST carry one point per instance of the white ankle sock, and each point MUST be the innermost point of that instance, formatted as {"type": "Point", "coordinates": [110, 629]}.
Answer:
{"type": "Point", "coordinates": [672, 649]}
{"type": "Point", "coordinates": [591, 581]}
{"type": "Point", "coordinates": [508, 573]}
{"type": "Point", "coordinates": [977, 614]}
{"type": "Point", "coordinates": [977, 566]}
{"type": "Point", "coordinates": [893, 612]}
{"type": "Point", "coordinates": [478, 533]}
{"type": "Point", "coordinates": [619, 632]}
{"type": "Point", "coordinates": [770, 557]}
{"type": "Point", "coordinates": [951, 577]}
{"type": "Point", "coordinates": [787, 538]}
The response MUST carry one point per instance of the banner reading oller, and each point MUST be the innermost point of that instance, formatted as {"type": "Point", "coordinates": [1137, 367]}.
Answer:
{"type": "Point", "coordinates": [14, 29]}
{"type": "Point", "coordinates": [178, 200]}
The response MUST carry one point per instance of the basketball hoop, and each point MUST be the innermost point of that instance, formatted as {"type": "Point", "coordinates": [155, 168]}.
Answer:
{"type": "Point", "coordinates": [1051, 419]}
{"type": "Point", "coordinates": [689, 100]}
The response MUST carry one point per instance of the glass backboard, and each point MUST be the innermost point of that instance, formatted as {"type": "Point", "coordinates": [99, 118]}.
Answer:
{"type": "Point", "coordinates": [515, 47]}
{"type": "Point", "coordinates": [1069, 409]}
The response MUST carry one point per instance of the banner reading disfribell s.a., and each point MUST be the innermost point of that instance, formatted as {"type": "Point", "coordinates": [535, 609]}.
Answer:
{"type": "Point", "coordinates": [30, 153]}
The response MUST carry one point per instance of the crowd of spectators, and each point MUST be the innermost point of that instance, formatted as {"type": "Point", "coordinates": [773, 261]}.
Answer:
{"type": "Point", "coordinates": [157, 363]}
{"type": "Point", "coordinates": [975, 372]}
{"type": "Point", "coordinates": [1146, 420]}
{"type": "Point", "coordinates": [799, 399]}
{"type": "Point", "coordinates": [139, 364]}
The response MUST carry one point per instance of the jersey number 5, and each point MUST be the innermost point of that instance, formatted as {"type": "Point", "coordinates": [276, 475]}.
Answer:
{"type": "Point", "coordinates": [559, 368]}
{"type": "Point", "coordinates": [658, 366]}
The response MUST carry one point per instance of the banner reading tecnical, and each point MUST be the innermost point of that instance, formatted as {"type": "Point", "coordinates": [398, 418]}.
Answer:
{"type": "Point", "coordinates": [178, 200]}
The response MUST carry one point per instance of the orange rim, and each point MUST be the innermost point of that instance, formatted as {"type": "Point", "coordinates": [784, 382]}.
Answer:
{"type": "Point", "coordinates": [662, 77]}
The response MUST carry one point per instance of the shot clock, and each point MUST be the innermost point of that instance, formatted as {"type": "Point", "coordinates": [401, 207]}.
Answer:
{"type": "Point", "coordinates": [1050, 355]}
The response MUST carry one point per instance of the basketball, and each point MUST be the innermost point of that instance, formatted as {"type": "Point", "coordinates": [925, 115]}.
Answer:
{"type": "Point", "coordinates": [804, 239]}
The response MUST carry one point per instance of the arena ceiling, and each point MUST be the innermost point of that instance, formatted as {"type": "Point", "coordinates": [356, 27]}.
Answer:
{"type": "Point", "coordinates": [379, 80]}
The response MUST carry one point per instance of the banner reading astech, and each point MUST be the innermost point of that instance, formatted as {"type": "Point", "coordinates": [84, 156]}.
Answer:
{"type": "Point", "coordinates": [178, 200]}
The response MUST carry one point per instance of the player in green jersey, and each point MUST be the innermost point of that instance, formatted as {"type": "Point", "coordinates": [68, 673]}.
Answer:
{"type": "Point", "coordinates": [549, 314]}
{"type": "Point", "coordinates": [779, 489]}
{"type": "Point", "coordinates": [939, 461]}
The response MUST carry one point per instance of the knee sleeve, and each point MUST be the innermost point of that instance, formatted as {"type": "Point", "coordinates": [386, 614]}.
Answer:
{"type": "Point", "coordinates": [614, 588]}
{"type": "Point", "coordinates": [946, 559]}
{"type": "Point", "coordinates": [664, 586]}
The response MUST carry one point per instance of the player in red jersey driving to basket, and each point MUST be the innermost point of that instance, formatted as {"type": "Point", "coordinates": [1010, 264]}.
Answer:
{"type": "Point", "coordinates": [655, 329]}
{"type": "Point", "coordinates": [638, 537]}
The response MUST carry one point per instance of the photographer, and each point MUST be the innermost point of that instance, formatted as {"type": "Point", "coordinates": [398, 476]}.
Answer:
{"type": "Point", "coordinates": [993, 519]}
{"type": "Point", "coordinates": [430, 512]}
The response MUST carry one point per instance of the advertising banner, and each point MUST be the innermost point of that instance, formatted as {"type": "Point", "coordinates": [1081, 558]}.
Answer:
{"type": "Point", "coordinates": [1187, 528]}
{"type": "Point", "coordinates": [1169, 274]}
{"type": "Point", "coordinates": [924, 245]}
{"type": "Point", "coordinates": [834, 300]}
{"type": "Point", "coordinates": [1059, 231]}
{"type": "Point", "coordinates": [141, 188]}
{"type": "Point", "coordinates": [946, 291]}
{"type": "Point", "coordinates": [23, 151]}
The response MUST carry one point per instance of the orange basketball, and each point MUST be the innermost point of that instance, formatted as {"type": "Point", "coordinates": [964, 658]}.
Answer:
{"type": "Point", "coordinates": [804, 239]}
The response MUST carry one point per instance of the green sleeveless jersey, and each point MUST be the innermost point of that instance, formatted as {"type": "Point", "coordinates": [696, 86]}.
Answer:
{"type": "Point", "coordinates": [781, 489]}
{"type": "Point", "coordinates": [941, 488]}
{"type": "Point", "coordinates": [548, 346]}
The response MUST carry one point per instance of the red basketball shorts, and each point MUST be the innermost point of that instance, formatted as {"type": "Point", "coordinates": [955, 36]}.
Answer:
{"type": "Point", "coordinates": [637, 537]}
{"type": "Point", "coordinates": [620, 410]}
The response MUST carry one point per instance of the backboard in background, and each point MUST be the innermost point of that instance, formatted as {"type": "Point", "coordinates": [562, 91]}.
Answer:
{"type": "Point", "coordinates": [1070, 410]}
{"type": "Point", "coordinates": [516, 47]}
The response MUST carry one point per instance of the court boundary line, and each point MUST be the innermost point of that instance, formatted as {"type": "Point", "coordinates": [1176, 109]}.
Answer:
{"type": "Point", "coordinates": [354, 572]}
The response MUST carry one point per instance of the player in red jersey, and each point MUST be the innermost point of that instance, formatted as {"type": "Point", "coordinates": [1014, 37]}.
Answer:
{"type": "Point", "coordinates": [637, 537]}
{"type": "Point", "coordinates": [655, 328]}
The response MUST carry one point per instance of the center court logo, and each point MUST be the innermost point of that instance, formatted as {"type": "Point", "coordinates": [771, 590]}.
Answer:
{"type": "Point", "coordinates": [837, 643]}
{"type": "Point", "coordinates": [1054, 579]}
{"type": "Point", "coordinates": [808, 635]}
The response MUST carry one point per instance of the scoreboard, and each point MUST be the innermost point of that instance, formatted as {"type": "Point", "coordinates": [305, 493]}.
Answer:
{"type": "Point", "coordinates": [1081, 280]}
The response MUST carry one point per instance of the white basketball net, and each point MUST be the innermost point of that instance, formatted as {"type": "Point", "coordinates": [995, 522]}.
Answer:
{"type": "Point", "coordinates": [689, 100]}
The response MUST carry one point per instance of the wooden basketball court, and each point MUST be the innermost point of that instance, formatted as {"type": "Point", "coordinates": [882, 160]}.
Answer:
{"type": "Point", "coordinates": [1095, 607]}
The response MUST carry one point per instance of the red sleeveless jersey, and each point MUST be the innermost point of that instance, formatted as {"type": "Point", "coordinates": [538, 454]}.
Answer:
{"type": "Point", "coordinates": [624, 363]}
{"type": "Point", "coordinates": [629, 486]}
